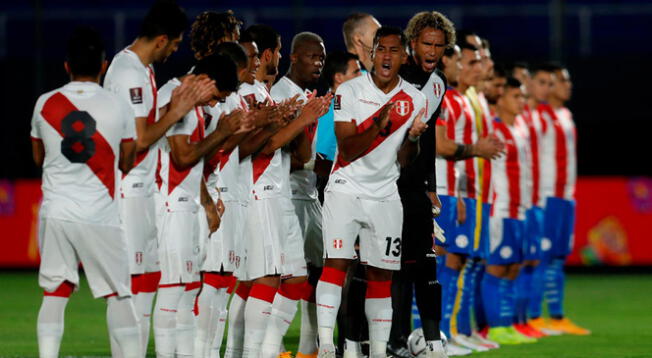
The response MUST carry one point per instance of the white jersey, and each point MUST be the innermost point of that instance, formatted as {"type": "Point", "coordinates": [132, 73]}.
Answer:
{"type": "Point", "coordinates": [81, 126]}
{"type": "Point", "coordinates": [566, 154]}
{"type": "Point", "coordinates": [510, 172]}
{"type": "Point", "coordinates": [224, 168]}
{"type": "Point", "coordinates": [182, 186]}
{"type": "Point", "coordinates": [303, 182]}
{"type": "Point", "coordinates": [135, 84]}
{"type": "Point", "coordinates": [267, 171]}
{"type": "Point", "coordinates": [373, 174]}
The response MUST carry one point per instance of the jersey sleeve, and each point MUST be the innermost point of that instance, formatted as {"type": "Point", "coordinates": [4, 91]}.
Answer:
{"type": "Point", "coordinates": [278, 93]}
{"type": "Point", "coordinates": [343, 103]}
{"type": "Point", "coordinates": [434, 91]}
{"type": "Point", "coordinates": [130, 88]}
{"type": "Point", "coordinates": [185, 126]}
{"type": "Point", "coordinates": [326, 141]}
{"type": "Point", "coordinates": [164, 94]}
{"type": "Point", "coordinates": [35, 131]}
{"type": "Point", "coordinates": [129, 131]}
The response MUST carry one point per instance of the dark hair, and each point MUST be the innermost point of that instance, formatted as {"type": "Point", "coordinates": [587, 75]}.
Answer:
{"type": "Point", "coordinates": [462, 34]}
{"type": "Point", "coordinates": [336, 62]}
{"type": "Point", "coordinates": [209, 29]}
{"type": "Point", "coordinates": [85, 53]}
{"type": "Point", "coordinates": [511, 67]}
{"type": "Point", "coordinates": [221, 69]}
{"type": "Point", "coordinates": [234, 51]}
{"type": "Point", "coordinates": [512, 83]}
{"type": "Point", "coordinates": [388, 31]}
{"type": "Point", "coordinates": [448, 52]}
{"type": "Point", "coordinates": [165, 17]}
{"type": "Point", "coordinates": [264, 36]}
{"type": "Point", "coordinates": [467, 46]}
{"type": "Point", "coordinates": [543, 67]}
{"type": "Point", "coordinates": [432, 19]}
{"type": "Point", "coordinates": [499, 71]}
{"type": "Point", "coordinates": [485, 44]}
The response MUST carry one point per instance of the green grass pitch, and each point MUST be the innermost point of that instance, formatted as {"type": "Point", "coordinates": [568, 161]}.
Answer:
{"type": "Point", "coordinates": [618, 308]}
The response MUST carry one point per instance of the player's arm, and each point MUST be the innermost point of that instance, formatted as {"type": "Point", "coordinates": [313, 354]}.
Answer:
{"type": "Point", "coordinates": [350, 143]}
{"type": "Point", "coordinates": [267, 120]}
{"type": "Point", "coordinates": [410, 147]}
{"type": "Point", "coordinates": [212, 215]}
{"type": "Point", "coordinates": [38, 152]}
{"type": "Point", "coordinates": [186, 154]}
{"type": "Point", "coordinates": [486, 147]}
{"type": "Point", "coordinates": [184, 98]}
{"type": "Point", "coordinates": [127, 156]}
{"type": "Point", "coordinates": [315, 108]}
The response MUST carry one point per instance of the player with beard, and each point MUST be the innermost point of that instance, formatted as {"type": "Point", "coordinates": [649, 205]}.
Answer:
{"type": "Point", "coordinates": [303, 247]}
{"type": "Point", "coordinates": [358, 31]}
{"type": "Point", "coordinates": [362, 197]}
{"type": "Point", "coordinates": [493, 88]}
{"type": "Point", "coordinates": [429, 34]}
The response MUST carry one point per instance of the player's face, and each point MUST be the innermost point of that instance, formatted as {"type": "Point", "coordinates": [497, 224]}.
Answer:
{"type": "Point", "coordinates": [428, 48]}
{"type": "Point", "coordinates": [512, 101]}
{"type": "Point", "coordinates": [168, 48]}
{"type": "Point", "coordinates": [353, 70]}
{"type": "Point", "coordinates": [367, 33]}
{"type": "Point", "coordinates": [487, 63]}
{"type": "Point", "coordinates": [474, 40]}
{"type": "Point", "coordinates": [308, 61]}
{"type": "Point", "coordinates": [253, 62]}
{"type": "Point", "coordinates": [563, 86]}
{"type": "Point", "coordinates": [494, 89]}
{"type": "Point", "coordinates": [388, 56]}
{"type": "Point", "coordinates": [471, 71]}
{"type": "Point", "coordinates": [541, 85]}
{"type": "Point", "coordinates": [522, 74]}
{"type": "Point", "coordinates": [452, 66]}
{"type": "Point", "coordinates": [272, 66]}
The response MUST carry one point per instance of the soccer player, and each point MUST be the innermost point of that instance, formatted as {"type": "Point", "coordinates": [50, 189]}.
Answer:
{"type": "Point", "coordinates": [507, 218]}
{"type": "Point", "coordinates": [378, 123]}
{"type": "Point", "coordinates": [493, 88]}
{"type": "Point", "coordinates": [429, 33]}
{"type": "Point", "coordinates": [303, 212]}
{"type": "Point", "coordinates": [358, 30]}
{"type": "Point", "coordinates": [455, 145]}
{"type": "Point", "coordinates": [131, 77]}
{"type": "Point", "coordinates": [81, 134]}
{"type": "Point", "coordinates": [268, 255]}
{"type": "Point", "coordinates": [184, 186]}
{"type": "Point", "coordinates": [558, 160]}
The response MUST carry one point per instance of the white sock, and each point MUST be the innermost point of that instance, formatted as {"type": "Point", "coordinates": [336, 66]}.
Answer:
{"type": "Point", "coordinates": [204, 317]}
{"type": "Point", "coordinates": [329, 297]}
{"type": "Point", "coordinates": [352, 349]}
{"type": "Point", "coordinates": [218, 336]}
{"type": "Point", "coordinates": [235, 336]}
{"type": "Point", "coordinates": [284, 308]}
{"type": "Point", "coordinates": [165, 320]}
{"type": "Point", "coordinates": [49, 326]}
{"type": "Point", "coordinates": [378, 309]}
{"type": "Point", "coordinates": [186, 324]}
{"type": "Point", "coordinates": [123, 326]}
{"type": "Point", "coordinates": [257, 313]}
{"type": "Point", "coordinates": [144, 302]}
{"type": "Point", "coordinates": [308, 337]}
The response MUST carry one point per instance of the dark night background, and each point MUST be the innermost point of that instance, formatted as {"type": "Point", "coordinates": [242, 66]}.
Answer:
{"type": "Point", "coordinates": [605, 44]}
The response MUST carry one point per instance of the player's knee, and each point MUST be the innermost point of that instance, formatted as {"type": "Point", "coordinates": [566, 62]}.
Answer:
{"type": "Point", "coordinates": [338, 264]}
{"type": "Point", "coordinates": [64, 290]}
{"type": "Point", "coordinates": [378, 274]}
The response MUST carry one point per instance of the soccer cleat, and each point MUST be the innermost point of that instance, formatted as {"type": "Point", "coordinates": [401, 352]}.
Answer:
{"type": "Point", "coordinates": [503, 336]}
{"type": "Point", "coordinates": [541, 325]}
{"type": "Point", "coordinates": [465, 341]}
{"type": "Point", "coordinates": [436, 350]}
{"type": "Point", "coordinates": [454, 350]}
{"type": "Point", "coordinates": [398, 351]}
{"type": "Point", "coordinates": [528, 331]}
{"type": "Point", "coordinates": [477, 338]}
{"type": "Point", "coordinates": [522, 337]}
{"type": "Point", "coordinates": [301, 355]}
{"type": "Point", "coordinates": [287, 354]}
{"type": "Point", "coordinates": [565, 325]}
{"type": "Point", "coordinates": [326, 351]}
{"type": "Point", "coordinates": [483, 332]}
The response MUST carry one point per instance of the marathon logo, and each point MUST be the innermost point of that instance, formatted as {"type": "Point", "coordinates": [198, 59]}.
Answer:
{"type": "Point", "coordinates": [223, 189]}
{"type": "Point", "coordinates": [183, 199]}
{"type": "Point", "coordinates": [268, 187]}
{"type": "Point", "coordinates": [340, 181]}
{"type": "Point", "coordinates": [337, 103]}
{"type": "Point", "coordinates": [137, 185]}
{"type": "Point", "coordinates": [136, 95]}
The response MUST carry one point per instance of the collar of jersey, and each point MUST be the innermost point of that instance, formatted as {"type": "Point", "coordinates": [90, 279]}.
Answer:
{"type": "Point", "coordinates": [390, 93]}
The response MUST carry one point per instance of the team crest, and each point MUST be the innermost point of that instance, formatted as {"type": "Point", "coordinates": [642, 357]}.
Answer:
{"type": "Point", "coordinates": [189, 266]}
{"type": "Point", "coordinates": [337, 103]}
{"type": "Point", "coordinates": [337, 243]}
{"type": "Point", "coordinates": [402, 108]}
{"type": "Point", "coordinates": [139, 258]}
{"type": "Point", "coordinates": [231, 256]}
{"type": "Point", "coordinates": [437, 89]}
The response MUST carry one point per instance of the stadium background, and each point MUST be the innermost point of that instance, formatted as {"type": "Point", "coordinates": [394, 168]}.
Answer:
{"type": "Point", "coordinates": [604, 44]}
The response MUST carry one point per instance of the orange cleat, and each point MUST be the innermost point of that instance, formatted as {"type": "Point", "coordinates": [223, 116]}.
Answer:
{"type": "Point", "coordinates": [286, 355]}
{"type": "Point", "coordinates": [301, 355]}
{"type": "Point", "coordinates": [565, 325]}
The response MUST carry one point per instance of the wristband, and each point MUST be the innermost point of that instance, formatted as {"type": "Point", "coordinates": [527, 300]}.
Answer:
{"type": "Point", "coordinates": [459, 151]}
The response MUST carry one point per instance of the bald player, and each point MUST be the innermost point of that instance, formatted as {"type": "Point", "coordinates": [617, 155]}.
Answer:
{"type": "Point", "coordinates": [359, 30]}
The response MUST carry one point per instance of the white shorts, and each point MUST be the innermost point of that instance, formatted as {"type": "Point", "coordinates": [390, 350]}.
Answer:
{"type": "Point", "coordinates": [309, 215]}
{"type": "Point", "coordinates": [377, 223]}
{"type": "Point", "coordinates": [102, 250]}
{"type": "Point", "coordinates": [292, 256]}
{"type": "Point", "coordinates": [138, 216]}
{"type": "Point", "coordinates": [264, 232]}
{"type": "Point", "coordinates": [202, 236]}
{"type": "Point", "coordinates": [179, 247]}
{"type": "Point", "coordinates": [220, 246]}
{"type": "Point", "coordinates": [240, 245]}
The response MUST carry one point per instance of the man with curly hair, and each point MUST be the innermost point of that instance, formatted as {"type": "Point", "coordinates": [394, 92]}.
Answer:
{"type": "Point", "coordinates": [212, 28]}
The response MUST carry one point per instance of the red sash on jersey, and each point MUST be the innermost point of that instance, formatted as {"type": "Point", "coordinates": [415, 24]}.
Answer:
{"type": "Point", "coordinates": [102, 163]}
{"type": "Point", "coordinates": [403, 108]}
{"type": "Point", "coordinates": [176, 176]}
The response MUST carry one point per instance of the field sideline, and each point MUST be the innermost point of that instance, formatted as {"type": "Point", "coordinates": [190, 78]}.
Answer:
{"type": "Point", "coordinates": [618, 308]}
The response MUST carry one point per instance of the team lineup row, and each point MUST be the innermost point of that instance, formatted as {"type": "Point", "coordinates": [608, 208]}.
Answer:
{"type": "Point", "coordinates": [435, 167]}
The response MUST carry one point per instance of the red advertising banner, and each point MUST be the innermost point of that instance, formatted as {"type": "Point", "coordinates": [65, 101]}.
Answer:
{"type": "Point", "coordinates": [614, 222]}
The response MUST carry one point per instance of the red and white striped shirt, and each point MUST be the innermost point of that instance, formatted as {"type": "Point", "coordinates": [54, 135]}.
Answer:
{"type": "Point", "coordinates": [536, 128]}
{"type": "Point", "coordinates": [447, 174]}
{"type": "Point", "coordinates": [563, 175]}
{"type": "Point", "coordinates": [509, 175]}
{"type": "Point", "coordinates": [465, 131]}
